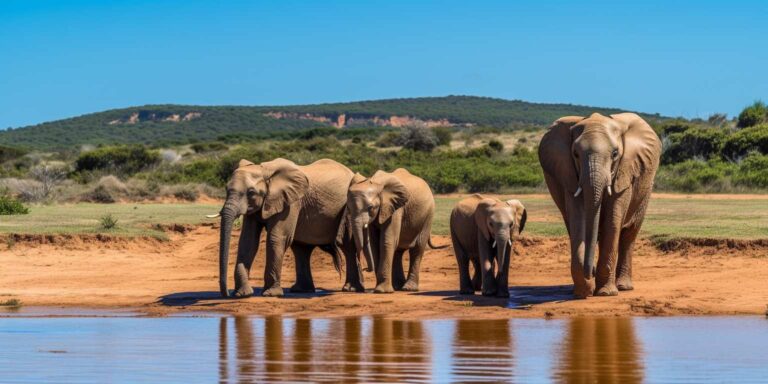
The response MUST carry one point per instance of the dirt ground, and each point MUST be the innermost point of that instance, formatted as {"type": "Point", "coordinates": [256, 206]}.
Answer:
{"type": "Point", "coordinates": [162, 278]}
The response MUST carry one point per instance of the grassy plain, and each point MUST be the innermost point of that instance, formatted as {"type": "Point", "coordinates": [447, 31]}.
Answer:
{"type": "Point", "coordinates": [710, 216]}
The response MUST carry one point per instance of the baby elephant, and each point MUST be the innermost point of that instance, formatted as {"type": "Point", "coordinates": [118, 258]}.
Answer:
{"type": "Point", "coordinates": [482, 229]}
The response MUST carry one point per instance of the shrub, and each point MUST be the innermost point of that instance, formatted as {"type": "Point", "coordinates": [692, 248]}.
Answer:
{"type": "Point", "coordinates": [418, 138]}
{"type": "Point", "coordinates": [696, 176]}
{"type": "Point", "coordinates": [10, 153]}
{"type": "Point", "coordinates": [753, 171]}
{"type": "Point", "coordinates": [496, 145]}
{"type": "Point", "coordinates": [108, 222]}
{"type": "Point", "coordinates": [741, 142]}
{"type": "Point", "coordinates": [695, 142]}
{"type": "Point", "coordinates": [214, 146]}
{"type": "Point", "coordinates": [755, 114]}
{"type": "Point", "coordinates": [187, 193]}
{"type": "Point", "coordinates": [387, 139]}
{"type": "Point", "coordinates": [125, 160]}
{"type": "Point", "coordinates": [443, 135]}
{"type": "Point", "coordinates": [11, 206]}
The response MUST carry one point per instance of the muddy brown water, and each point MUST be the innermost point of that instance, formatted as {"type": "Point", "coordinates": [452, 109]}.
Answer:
{"type": "Point", "coordinates": [121, 348]}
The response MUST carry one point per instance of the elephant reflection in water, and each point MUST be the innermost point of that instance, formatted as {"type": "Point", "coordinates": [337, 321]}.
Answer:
{"type": "Point", "coordinates": [482, 350]}
{"type": "Point", "coordinates": [600, 350]}
{"type": "Point", "coordinates": [391, 350]}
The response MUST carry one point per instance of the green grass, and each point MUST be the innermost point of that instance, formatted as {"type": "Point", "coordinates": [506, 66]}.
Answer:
{"type": "Point", "coordinates": [694, 217]}
{"type": "Point", "coordinates": [673, 217]}
{"type": "Point", "coordinates": [134, 219]}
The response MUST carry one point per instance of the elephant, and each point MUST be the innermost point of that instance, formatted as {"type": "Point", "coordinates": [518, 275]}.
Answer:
{"type": "Point", "coordinates": [300, 206]}
{"type": "Point", "coordinates": [599, 171]}
{"type": "Point", "coordinates": [388, 214]}
{"type": "Point", "coordinates": [478, 226]}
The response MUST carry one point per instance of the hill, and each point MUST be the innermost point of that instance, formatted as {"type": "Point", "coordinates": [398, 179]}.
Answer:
{"type": "Point", "coordinates": [180, 124]}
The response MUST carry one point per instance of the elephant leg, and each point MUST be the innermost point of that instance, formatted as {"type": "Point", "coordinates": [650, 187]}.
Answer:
{"type": "Point", "coordinates": [415, 255]}
{"type": "Point", "coordinates": [354, 273]}
{"type": "Point", "coordinates": [605, 278]}
{"type": "Point", "coordinates": [388, 239]}
{"type": "Point", "coordinates": [248, 245]}
{"type": "Point", "coordinates": [624, 269]}
{"type": "Point", "coordinates": [277, 242]}
{"type": "Point", "coordinates": [582, 287]}
{"type": "Point", "coordinates": [462, 260]}
{"type": "Point", "coordinates": [487, 267]}
{"type": "Point", "coordinates": [477, 278]}
{"type": "Point", "coordinates": [302, 254]}
{"type": "Point", "coordinates": [398, 273]}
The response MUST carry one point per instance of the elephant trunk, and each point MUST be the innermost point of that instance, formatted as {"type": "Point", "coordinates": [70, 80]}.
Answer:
{"type": "Point", "coordinates": [503, 242]}
{"type": "Point", "coordinates": [228, 215]}
{"type": "Point", "coordinates": [593, 196]}
{"type": "Point", "coordinates": [363, 241]}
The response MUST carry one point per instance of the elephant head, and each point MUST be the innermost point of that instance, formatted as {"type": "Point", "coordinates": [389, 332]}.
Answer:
{"type": "Point", "coordinates": [372, 201]}
{"type": "Point", "coordinates": [499, 222]}
{"type": "Point", "coordinates": [595, 158]}
{"type": "Point", "coordinates": [259, 192]}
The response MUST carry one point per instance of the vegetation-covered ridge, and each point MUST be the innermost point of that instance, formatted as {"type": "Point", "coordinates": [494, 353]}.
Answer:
{"type": "Point", "coordinates": [182, 124]}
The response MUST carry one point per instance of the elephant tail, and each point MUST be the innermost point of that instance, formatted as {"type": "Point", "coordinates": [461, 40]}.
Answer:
{"type": "Point", "coordinates": [432, 245]}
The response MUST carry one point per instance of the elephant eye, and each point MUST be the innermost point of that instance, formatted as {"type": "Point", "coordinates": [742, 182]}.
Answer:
{"type": "Point", "coordinates": [615, 153]}
{"type": "Point", "coordinates": [251, 192]}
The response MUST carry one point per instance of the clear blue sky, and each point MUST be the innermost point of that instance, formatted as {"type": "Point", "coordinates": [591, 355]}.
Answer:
{"type": "Point", "coordinates": [691, 58]}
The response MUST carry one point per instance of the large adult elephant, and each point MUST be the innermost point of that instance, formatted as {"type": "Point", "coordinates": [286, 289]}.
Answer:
{"type": "Point", "coordinates": [600, 170]}
{"type": "Point", "coordinates": [482, 230]}
{"type": "Point", "coordinates": [388, 214]}
{"type": "Point", "coordinates": [300, 206]}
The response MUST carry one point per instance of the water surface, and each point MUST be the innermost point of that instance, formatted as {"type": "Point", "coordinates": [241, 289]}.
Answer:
{"type": "Point", "coordinates": [373, 349]}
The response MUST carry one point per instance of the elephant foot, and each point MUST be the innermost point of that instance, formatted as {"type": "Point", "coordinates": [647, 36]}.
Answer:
{"type": "Point", "coordinates": [489, 293]}
{"type": "Point", "coordinates": [244, 291]}
{"type": "Point", "coordinates": [349, 287]}
{"type": "Point", "coordinates": [384, 288]}
{"type": "Point", "coordinates": [624, 283]}
{"type": "Point", "coordinates": [276, 291]}
{"type": "Point", "coordinates": [584, 289]}
{"type": "Point", "coordinates": [607, 290]}
{"type": "Point", "coordinates": [467, 291]}
{"type": "Point", "coordinates": [302, 288]}
{"type": "Point", "coordinates": [502, 293]}
{"type": "Point", "coordinates": [410, 286]}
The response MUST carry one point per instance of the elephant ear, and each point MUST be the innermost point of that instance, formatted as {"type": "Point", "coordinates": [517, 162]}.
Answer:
{"type": "Point", "coordinates": [642, 149]}
{"type": "Point", "coordinates": [393, 197]}
{"type": "Point", "coordinates": [244, 163]}
{"type": "Point", "coordinates": [357, 178]}
{"type": "Point", "coordinates": [521, 214]}
{"type": "Point", "coordinates": [555, 151]}
{"type": "Point", "coordinates": [286, 183]}
{"type": "Point", "coordinates": [482, 212]}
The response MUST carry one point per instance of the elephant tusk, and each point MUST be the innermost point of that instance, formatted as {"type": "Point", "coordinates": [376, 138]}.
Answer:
{"type": "Point", "coordinates": [578, 192]}
{"type": "Point", "coordinates": [365, 226]}
{"type": "Point", "coordinates": [509, 242]}
{"type": "Point", "coordinates": [494, 244]}
{"type": "Point", "coordinates": [213, 216]}
{"type": "Point", "coordinates": [609, 191]}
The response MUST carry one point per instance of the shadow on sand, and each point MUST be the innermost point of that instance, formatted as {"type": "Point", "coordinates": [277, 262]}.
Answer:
{"type": "Point", "coordinates": [520, 297]}
{"type": "Point", "coordinates": [212, 298]}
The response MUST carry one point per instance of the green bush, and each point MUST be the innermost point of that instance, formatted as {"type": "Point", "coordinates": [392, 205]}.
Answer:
{"type": "Point", "coordinates": [213, 146]}
{"type": "Point", "coordinates": [124, 160]}
{"type": "Point", "coordinates": [443, 135]}
{"type": "Point", "coordinates": [10, 153]}
{"type": "Point", "coordinates": [496, 145]}
{"type": "Point", "coordinates": [753, 171]}
{"type": "Point", "coordinates": [108, 222]}
{"type": "Point", "coordinates": [696, 176]}
{"type": "Point", "coordinates": [387, 139]}
{"type": "Point", "coordinates": [693, 142]}
{"type": "Point", "coordinates": [11, 206]}
{"type": "Point", "coordinates": [741, 142]}
{"type": "Point", "coordinates": [755, 114]}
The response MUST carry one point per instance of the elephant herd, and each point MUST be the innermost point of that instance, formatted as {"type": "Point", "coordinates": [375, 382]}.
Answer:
{"type": "Point", "coordinates": [599, 171]}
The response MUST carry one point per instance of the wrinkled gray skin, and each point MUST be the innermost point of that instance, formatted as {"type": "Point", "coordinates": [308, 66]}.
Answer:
{"type": "Point", "coordinates": [482, 231]}
{"type": "Point", "coordinates": [300, 207]}
{"type": "Point", "coordinates": [599, 171]}
{"type": "Point", "coordinates": [388, 214]}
